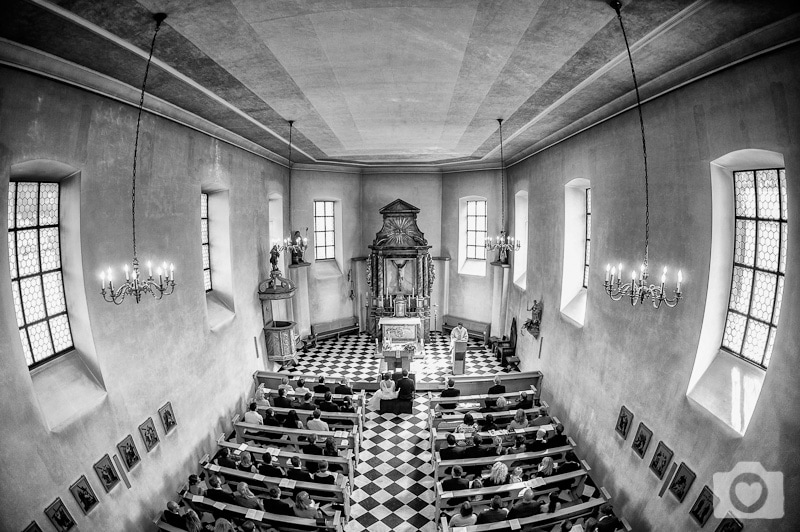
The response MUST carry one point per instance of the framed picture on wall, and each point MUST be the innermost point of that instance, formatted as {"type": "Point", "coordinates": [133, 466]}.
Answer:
{"type": "Point", "coordinates": [730, 524]}
{"type": "Point", "coordinates": [703, 507]}
{"type": "Point", "coordinates": [84, 494]}
{"type": "Point", "coordinates": [128, 452]}
{"type": "Point", "coordinates": [149, 434]}
{"type": "Point", "coordinates": [58, 514]}
{"type": "Point", "coordinates": [167, 417]}
{"type": "Point", "coordinates": [661, 460]}
{"type": "Point", "coordinates": [624, 422]}
{"type": "Point", "coordinates": [33, 527]}
{"type": "Point", "coordinates": [681, 482]}
{"type": "Point", "coordinates": [642, 440]}
{"type": "Point", "coordinates": [106, 472]}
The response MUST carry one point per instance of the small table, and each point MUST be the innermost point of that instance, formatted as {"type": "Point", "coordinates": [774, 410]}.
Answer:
{"type": "Point", "coordinates": [398, 359]}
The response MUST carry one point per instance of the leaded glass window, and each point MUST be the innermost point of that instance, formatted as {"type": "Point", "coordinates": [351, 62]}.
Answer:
{"type": "Point", "coordinates": [34, 257]}
{"type": "Point", "coordinates": [476, 229]}
{"type": "Point", "coordinates": [204, 241]}
{"type": "Point", "coordinates": [588, 237]}
{"type": "Point", "coordinates": [324, 235]}
{"type": "Point", "coordinates": [759, 263]}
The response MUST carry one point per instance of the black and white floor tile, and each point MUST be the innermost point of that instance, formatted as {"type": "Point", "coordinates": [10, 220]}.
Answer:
{"type": "Point", "coordinates": [393, 489]}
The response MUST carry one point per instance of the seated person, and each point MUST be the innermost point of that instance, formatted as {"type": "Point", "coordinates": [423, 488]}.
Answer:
{"type": "Point", "coordinates": [520, 420]}
{"type": "Point", "coordinates": [321, 387]}
{"type": "Point", "coordinates": [307, 403]}
{"type": "Point", "coordinates": [464, 517]}
{"type": "Point", "coordinates": [323, 475]}
{"type": "Point", "coordinates": [488, 423]}
{"type": "Point", "coordinates": [301, 389]}
{"type": "Point", "coordinates": [539, 444]}
{"type": "Point", "coordinates": [246, 498]}
{"type": "Point", "coordinates": [316, 424]}
{"type": "Point", "coordinates": [450, 391]}
{"type": "Point", "coordinates": [281, 401]}
{"type": "Point", "coordinates": [216, 493]}
{"type": "Point", "coordinates": [542, 419]}
{"type": "Point", "coordinates": [292, 420]}
{"type": "Point", "coordinates": [327, 404]}
{"type": "Point", "coordinates": [468, 426]}
{"type": "Point", "coordinates": [252, 416]}
{"type": "Point", "coordinates": [607, 522]}
{"type": "Point", "coordinates": [194, 486]}
{"type": "Point", "coordinates": [519, 445]}
{"type": "Point", "coordinates": [304, 506]}
{"type": "Point", "coordinates": [331, 450]}
{"type": "Point", "coordinates": [515, 476]}
{"type": "Point", "coordinates": [559, 440]}
{"type": "Point", "coordinates": [405, 387]}
{"type": "Point", "coordinates": [270, 420]}
{"type": "Point", "coordinates": [498, 475]}
{"type": "Point", "coordinates": [172, 515]}
{"type": "Point", "coordinates": [546, 467]}
{"type": "Point", "coordinates": [527, 507]}
{"type": "Point", "coordinates": [347, 407]}
{"type": "Point", "coordinates": [451, 451]}
{"type": "Point", "coordinates": [552, 504]}
{"type": "Point", "coordinates": [273, 504]}
{"type": "Point", "coordinates": [455, 483]}
{"type": "Point", "coordinates": [494, 514]}
{"type": "Point", "coordinates": [501, 405]}
{"type": "Point", "coordinates": [570, 463]}
{"type": "Point", "coordinates": [524, 403]}
{"type": "Point", "coordinates": [223, 458]}
{"type": "Point", "coordinates": [312, 448]}
{"type": "Point", "coordinates": [284, 385]}
{"type": "Point", "coordinates": [268, 469]}
{"type": "Point", "coordinates": [297, 473]}
{"type": "Point", "coordinates": [343, 388]}
{"type": "Point", "coordinates": [495, 389]}
{"type": "Point", "coordinates": [261, 396]}
{"type": "Point", "coordinates": [477, 451]}
{"type": "Point", "coordinates": [246, 463]}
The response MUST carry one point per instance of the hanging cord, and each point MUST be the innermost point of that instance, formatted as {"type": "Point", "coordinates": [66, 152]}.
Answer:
{"type": "Point", "coordinates": [291, 122]}
{"type": "Point", "coordinates": [616, 6]}
{"type": "Point", "coordinates": [159, 18]}
{"type": "Point", "coordinates": [502, 180]}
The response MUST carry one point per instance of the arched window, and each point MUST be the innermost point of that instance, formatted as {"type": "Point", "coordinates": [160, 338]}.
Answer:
{"type": "Point", "coordinates": [577, 238]}
{"type": "Point", "coordinates": [204, 241]}
{"type": "Point", "coordinates": [34, 255]}
{"type": "Point", "coordinates": [749, 234]}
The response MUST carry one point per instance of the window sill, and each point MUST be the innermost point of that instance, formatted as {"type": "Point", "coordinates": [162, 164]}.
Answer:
{"type": "Point", "coordinates": [66, 389]}
{"type": "Point", "coordinates": [473, 267]}
{"type": "Point", "coordinates": [521, 281]}
{"type": "Point", "coordinates": [219, 312]}
{"type": "Point", "coordinates": [326, 269]}
{"type": "Point", "coordinates": [729, 390]}
{"type": "Point", "coordinates": [575, 311]}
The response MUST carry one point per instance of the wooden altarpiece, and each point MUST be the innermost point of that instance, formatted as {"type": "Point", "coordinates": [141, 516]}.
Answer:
{"type": "Point", "coordinates": [400, 271]}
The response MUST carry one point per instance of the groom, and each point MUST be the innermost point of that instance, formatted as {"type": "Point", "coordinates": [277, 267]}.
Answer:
{"type": "Point", "coordinates": [405, 388]}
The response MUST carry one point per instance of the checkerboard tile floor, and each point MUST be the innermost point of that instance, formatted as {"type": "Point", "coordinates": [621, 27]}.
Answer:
{"type": "Point", "coordinates": [352, 356]}
{"type": "Point", "coordinates": [393, 489]}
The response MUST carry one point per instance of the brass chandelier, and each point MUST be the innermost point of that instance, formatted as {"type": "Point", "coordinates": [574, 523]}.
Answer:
{"type": "Point", "coordinates": [502, 243]}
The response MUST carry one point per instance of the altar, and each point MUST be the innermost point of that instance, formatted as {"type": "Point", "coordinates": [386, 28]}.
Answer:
{"type": "Point", "coordinates": [400, 340]}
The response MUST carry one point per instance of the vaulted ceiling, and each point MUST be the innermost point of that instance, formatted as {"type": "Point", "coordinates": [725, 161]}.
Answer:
{"type": "Point", "coordinates": [404, 82]}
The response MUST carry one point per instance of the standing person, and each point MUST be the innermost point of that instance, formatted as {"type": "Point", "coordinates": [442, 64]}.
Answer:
{"type": "Point", "coordinates": [405, 387]}
{"type": "Point", "coordinates": [386, 391]}
{"type": "Point", "coordinates": [458, 334]}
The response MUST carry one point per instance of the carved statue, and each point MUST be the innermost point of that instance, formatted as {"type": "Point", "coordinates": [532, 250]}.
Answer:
{"type": "Point", "coordinates": [369, 270]}
{"type": "Point", "coordinates": [532, 324]}
{"type": "Point", "coordinates": [273, 257]}
{"type": "Point", "coordinates": [431, 274]}
{"type": "Point", "coordinates": [298, 247]}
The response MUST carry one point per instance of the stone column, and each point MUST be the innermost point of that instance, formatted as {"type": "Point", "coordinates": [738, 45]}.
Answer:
{"type": "Point", "coordinates": [301, 307]}
{"type": "Point", "coordinates": [501, 275]}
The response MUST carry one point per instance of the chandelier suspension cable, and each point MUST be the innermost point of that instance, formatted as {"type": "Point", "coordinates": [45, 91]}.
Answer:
{"type": "Point", "coordinates": [291, 122]}
{"type": "Point", "coordinates": [502, 243]}
{"type": "Point", "coordinates": [502, 180]}
{"type": "Point", "coordinates": [159, 19]}
{"type": "Point", "coordinates": [616, 6]}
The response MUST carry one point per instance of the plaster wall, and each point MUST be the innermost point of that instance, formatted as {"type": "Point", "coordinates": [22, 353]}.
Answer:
{"type": "Point", "coordinates": [327, 282]}
{"type": "Point", "coordinates": [469, 294]}
{"type": "Point", "coordinates": [147, 354]}
{"type": "Point", "coordinates": [640, 357]}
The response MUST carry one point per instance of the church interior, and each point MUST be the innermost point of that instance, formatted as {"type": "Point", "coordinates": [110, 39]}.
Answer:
{"type": "Point", "coordinates": [203, 205]}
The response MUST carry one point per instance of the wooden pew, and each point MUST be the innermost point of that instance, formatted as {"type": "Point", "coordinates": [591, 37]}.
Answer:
{"type": "Point", "coordinates": [337, 493]}
{"type": "Point", "coordinates": [337, 419]}
{"type": "Point", "coordinates": [272, 436]}
{"type": "Point", "coordinates": [509, 493]}
{"type": "Point", "coordinates": [440, 466]}
{"type": "Point", "coordinates": [438, 439]}
{"type": "Point", "coordinates": [449, 422]}
{"type": "Point", "coordinates": [165, 527]}
{"type": "Point", "coordinates": [283, 523]}
{"type": "Point", "coordinates": [358, 398]}
{"type": "Point", "coordinates": [480, 384]}
{"type": "Point", "coordinates": [346, 462]}
{"type": "Point", "coordinates": [540, 522]}
{"type": "Point", "coordinates": [272, 379]}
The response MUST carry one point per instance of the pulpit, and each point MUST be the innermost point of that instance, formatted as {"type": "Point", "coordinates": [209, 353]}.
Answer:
{"type": "Point", "coordinates": [459, 357]}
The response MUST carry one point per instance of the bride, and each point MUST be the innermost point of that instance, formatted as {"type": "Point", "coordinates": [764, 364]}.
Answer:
{"type": "Point", "coordinates": [386, 391]}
